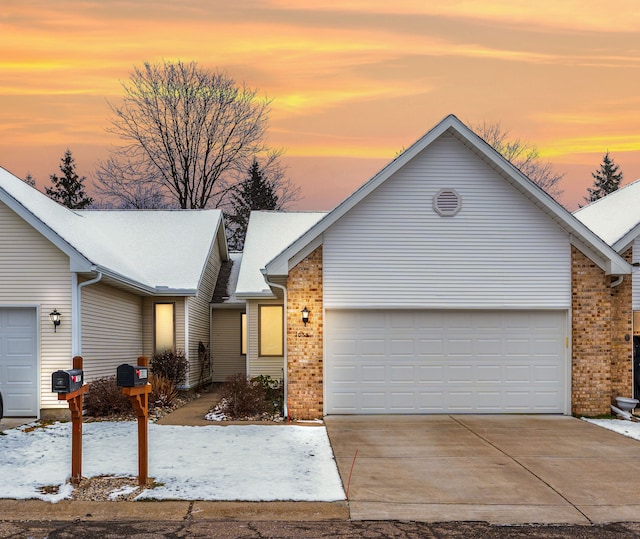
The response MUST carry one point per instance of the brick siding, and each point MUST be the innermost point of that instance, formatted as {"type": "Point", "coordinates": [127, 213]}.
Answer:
{"type": "Point", "coordinates": [305, 344]}
{"type": "Point", "coordinates": [601, 355]}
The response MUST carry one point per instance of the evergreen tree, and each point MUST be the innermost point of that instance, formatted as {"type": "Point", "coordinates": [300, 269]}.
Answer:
{"type": "Point", "coordinates": [29, 180]}
{"type": "Point", "coordinates": [606, 179]}
{"type": "Point", "coordinates": [68, 189]}
{"type": "Point", "coordinates": [255, 192]}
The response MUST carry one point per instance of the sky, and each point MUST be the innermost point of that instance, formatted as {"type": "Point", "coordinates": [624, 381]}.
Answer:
{"type": "Point", "coordinates": [353, 82]}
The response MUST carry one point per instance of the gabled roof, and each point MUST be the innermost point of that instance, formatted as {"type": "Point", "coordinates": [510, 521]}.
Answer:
{"type": "Point", "coordinates": [156, 252]}
{"type": "Point", "coordinates": [581, 236]}
{"type": "Point", "coordinates": [268, 233]}
{"type": "Point", "coordinates": [615, 217]}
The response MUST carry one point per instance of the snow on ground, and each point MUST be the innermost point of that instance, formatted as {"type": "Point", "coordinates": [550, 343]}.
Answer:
{"type": "Point", "coordinates": [621, 426]}
{"type": "Point", "coordinates": [247, 462]}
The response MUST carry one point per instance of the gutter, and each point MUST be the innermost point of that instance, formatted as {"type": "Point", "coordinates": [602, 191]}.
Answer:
{"type": "Point", "coordinates": [76, 307]}
{"type": "Point", "coordinates": [286, 347]}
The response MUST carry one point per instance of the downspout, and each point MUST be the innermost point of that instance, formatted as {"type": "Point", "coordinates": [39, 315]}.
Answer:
{"type": "Point", "coordinates": [76, 306]}
{"type": "Point", "coordinates": [618, 281]}
{"type": "Point", "coordinates": [286, 347]}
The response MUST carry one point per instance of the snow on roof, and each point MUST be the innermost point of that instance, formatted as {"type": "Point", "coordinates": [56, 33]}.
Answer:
{"type": "Point", "coordinates": [157, 249]}
{"type": "Point", "coordinates": [268, 234]}
{"type": "Point", "coordinates": [225, 291]}
{"type": "Point", "coordinates": [615, 215]}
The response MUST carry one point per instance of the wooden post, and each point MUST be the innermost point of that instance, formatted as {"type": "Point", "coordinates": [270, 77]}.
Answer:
{"type": "Point", "coordinates": [139, 397]}
{"type": "Point", "coordinates": [75, 406]}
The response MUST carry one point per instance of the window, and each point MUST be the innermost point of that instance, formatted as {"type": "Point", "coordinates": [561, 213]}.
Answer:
{"type": "Point", "coordinates": [243, 334]}
{"type": "Point", "coordinates": [164, 326]}
{"type": "Point", "coordinates": [270, 330]}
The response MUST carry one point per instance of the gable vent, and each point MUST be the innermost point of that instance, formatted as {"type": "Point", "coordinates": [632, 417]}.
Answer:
{"type": "Point", "coordinates": [447, 202]}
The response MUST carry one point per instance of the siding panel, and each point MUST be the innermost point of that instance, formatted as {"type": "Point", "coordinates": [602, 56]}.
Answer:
{"type": "Point", "coordinates": [33, 272]}
{"type": "Point", "coordinates": [636, 277]}
{"type": "Point", "coordinates": [394, 250]}
{"type": "Point", "coordinates": [111, 329]}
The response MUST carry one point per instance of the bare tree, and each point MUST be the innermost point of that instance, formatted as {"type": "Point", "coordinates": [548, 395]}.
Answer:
{"type": "Point", "coordinates": [523, 155]}
{"type": "Point", "coordinates": [191, 130]}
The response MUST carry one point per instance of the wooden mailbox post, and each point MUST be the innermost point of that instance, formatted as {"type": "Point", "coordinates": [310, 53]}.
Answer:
{"type": "Point", "coordinates": [75, 406]}
{"type": "Point", "coordinates": [139, 397]}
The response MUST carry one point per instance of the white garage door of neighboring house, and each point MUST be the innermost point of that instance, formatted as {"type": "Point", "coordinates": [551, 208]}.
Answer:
{"type": "Point", "coordinates": [19, 361]}
{"type": "Point", "coordinates": [398, 362]}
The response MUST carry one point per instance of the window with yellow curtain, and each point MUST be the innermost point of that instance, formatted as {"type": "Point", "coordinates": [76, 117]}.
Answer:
{"type": "Point", "coordinates": [243, 334]}
{"type": "Point", "coordinates": [270, 330]}
{"type": "Point", "coordinates": [164, 326]}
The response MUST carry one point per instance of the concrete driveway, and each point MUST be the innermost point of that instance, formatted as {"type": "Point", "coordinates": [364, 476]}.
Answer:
{"type": "Point", "coordinates": [507, 469]}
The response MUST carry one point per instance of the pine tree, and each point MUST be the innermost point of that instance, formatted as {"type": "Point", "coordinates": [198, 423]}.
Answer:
{"type": "Point", "coordinates": [68, 190]}
{"type": "Point", "coordinates": [255, 192]}
{"type": "Point", "coordinates": [606, 179]}
{"type": "Point", "coordinates": [29, 180]}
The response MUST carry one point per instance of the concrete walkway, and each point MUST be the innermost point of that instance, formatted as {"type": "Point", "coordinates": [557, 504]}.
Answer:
{"type": "Point", "coordinates": [192, 413]}
{"type": "Point", "coordinates": [507, 469]}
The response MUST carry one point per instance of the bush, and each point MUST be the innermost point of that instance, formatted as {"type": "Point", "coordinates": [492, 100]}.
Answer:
{"type": "Point", "coordinates": [170, 365]}
{"type": "Point", "coordinates": [105, 398]}
{"type": "Point", "coordinates": [274, 393]}
{"type": "Point", "coordinates": [242, 397]}
{"type": "Point", "coordinates": [163, 391]}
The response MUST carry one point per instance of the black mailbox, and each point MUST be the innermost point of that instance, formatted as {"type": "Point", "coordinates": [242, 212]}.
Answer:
{"type": "Point", "coordinates": [67, 381]}
{"type": "Point", "coordinates": [131, 375]}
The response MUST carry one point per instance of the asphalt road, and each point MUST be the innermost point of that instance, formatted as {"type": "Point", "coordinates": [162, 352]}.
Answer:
{"type": "Point", "coordinates": [301, 530]}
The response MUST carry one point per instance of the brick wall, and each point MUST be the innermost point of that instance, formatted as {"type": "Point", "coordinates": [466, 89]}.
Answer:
{"type": "Point", "coordinates": [601, 355]}
{"type": "Point", "coordinates": [304, 344]}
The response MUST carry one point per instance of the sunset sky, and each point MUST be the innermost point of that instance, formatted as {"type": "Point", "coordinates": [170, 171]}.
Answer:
{"type": "Point", "coordinates": [353, 82]}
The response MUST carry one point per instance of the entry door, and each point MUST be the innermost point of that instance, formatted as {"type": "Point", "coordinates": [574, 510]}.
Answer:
{"type": "Point", "coordinates": [19, 361]}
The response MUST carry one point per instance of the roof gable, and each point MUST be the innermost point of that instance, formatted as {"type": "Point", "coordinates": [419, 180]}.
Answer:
{"type": "Point", "coordinates": [152, 251]}
{"type": "Point", "coordinates": [615, 218]}
{"type": "Point", "coordinates": [581, 236]}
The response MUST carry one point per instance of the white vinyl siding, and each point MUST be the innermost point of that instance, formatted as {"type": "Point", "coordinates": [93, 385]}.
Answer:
{"type": "Point", "coordinates": [226, 353]}
{"type": "Point", "coordinates": [268, 366]}
{"type": "Point", "coordinates": [199, 324]}
{"type": "Point", "coordinates": [636, 276]}
{"type": "Point", "coordinates": [394, 250]}
{"type": "Point", "coordinates": [33, 272]}
{"type": "Point", "coordinates": [111, 329]}
{"type": "Point", "coordinates": [385, 362]}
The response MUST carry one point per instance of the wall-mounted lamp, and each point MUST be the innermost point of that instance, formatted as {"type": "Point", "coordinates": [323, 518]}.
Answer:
{"type": "Point", "coordinates": [55, 318]}
{"type": "Point", "coordinates": [305, 316]}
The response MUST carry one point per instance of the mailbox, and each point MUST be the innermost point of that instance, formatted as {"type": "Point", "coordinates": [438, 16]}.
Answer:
{"type": "Point", "coordinates": [131, 375]}
{"type": "Point", "coordinates": [67, 381]}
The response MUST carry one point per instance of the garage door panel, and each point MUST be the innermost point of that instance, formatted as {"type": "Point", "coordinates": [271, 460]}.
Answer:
{"type": "Point", "coordinates": [464, 362]}
{"type": "Point", "coordinates": [18, 361]}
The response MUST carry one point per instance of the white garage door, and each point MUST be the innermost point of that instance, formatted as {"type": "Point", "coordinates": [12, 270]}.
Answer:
{"type": "Point", "coordinates": [18, 362]}
{"type": "Point", "coordinates": [399, 362]}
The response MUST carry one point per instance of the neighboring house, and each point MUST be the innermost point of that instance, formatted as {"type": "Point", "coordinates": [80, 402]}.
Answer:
{"type": "Point", "coordinates": [126, 283]}
{"type": "Point", "coordinates": [616, 219]}
{"type": "Point", "coordinates": [448, 283]}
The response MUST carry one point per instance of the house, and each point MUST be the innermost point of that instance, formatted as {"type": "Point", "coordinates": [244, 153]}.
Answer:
{"type": "Point", "coordinates": [616, 219]}
{"type": "Point", "coordinates": [448, 283]}
{"type": "Point", "coordinates": [125, 283]}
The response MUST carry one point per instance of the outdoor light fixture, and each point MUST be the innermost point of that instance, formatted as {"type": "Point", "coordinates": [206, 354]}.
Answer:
{"type": "Point", "coordinates": [305, 316]}
{"type": "Point", "coordinates": [55, 318]}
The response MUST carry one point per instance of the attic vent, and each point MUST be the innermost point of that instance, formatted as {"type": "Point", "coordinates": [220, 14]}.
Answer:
{"type": "Point", "coordinates": [447, 202]}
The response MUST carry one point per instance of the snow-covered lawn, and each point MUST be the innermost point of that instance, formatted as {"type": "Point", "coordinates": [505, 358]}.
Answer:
{"type": "Point", "coordinates": [248, 463]}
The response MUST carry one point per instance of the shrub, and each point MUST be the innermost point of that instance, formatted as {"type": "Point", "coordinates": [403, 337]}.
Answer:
{"type": "Point", "coordinates": [170, 365]}
{"type": "Point", "coordinates": [242, 397]}
{"type": "Point", "coordinates": [163, 391]}
{"type": "Point", "coordinates": [274, 393]}
{"type": "Point", "coordinates": [105, 398]}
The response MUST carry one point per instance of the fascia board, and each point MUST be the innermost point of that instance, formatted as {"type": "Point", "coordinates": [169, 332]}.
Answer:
{"type": "Point", "coordinates": [256, 295]}
{"type": "Point", "coordinates": [280, 264]}
{"type": "Point", "coordinates": [625, 241]}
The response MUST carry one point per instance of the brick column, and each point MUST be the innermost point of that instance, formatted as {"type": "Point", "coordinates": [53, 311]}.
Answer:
{"type": "Point", "coordinates": [621, 336]}
{"type": "Point", "coordinates": [305, 344]}
{"type": "Point", "coordinates": [591, 337]}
